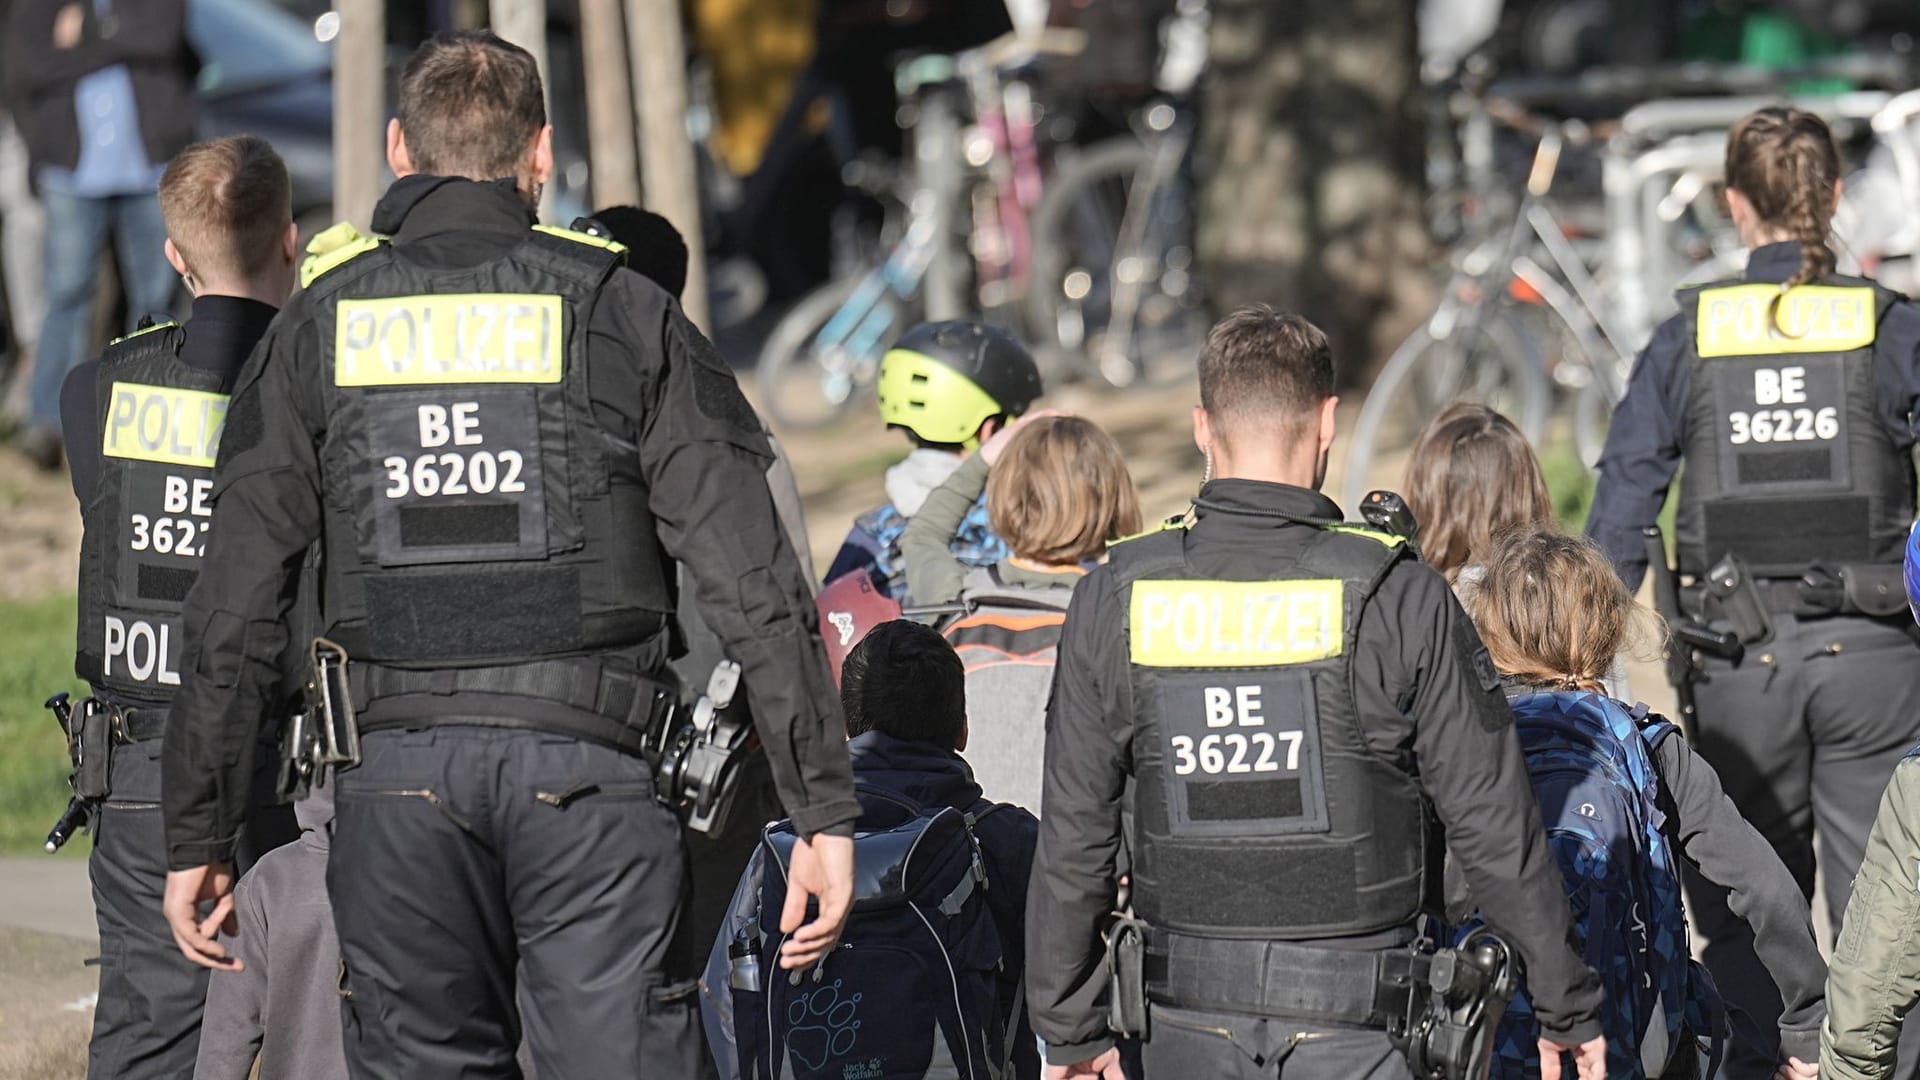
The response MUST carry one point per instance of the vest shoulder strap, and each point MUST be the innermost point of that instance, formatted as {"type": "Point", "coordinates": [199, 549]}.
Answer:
{"type": "Point", "coordinates": [1148, 554]}
{"type": "Point", "coordinates": [588, 260]}
{"type": "Point", "coordinates": [578, 237]}
{"type": "Point", "coordinates": [162, 339]}
{"type": "Point", "coordinates": [334, 247]}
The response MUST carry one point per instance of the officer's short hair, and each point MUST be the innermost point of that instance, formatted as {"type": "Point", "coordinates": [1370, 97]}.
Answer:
{"type": "Point", "coordinates": [904, 679]}
{"type": "Point", "coordinates": [470, 105]}
{"type": "Point", "coordinates": [227, 204]}
{"type": "Point", "coordinates": [1264, 365]}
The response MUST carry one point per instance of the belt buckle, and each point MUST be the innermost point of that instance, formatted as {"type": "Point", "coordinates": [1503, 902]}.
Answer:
{"type": "Point", "coordinates": [117, 725]}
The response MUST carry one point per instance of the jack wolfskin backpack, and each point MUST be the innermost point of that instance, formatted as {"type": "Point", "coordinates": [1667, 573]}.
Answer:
{"type": "Point", "coordinates": [1592, 763]}
{"type": "Point", "coordinates": [910, 990]}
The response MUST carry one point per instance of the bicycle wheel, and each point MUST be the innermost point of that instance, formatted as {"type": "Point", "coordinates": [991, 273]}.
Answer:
{"type": "Point", "coordinates": [806, 376]}
{"type": "Point", "coordinates": [1425, 375]}
{"type": "Point", "coordinates": [1111, 284]}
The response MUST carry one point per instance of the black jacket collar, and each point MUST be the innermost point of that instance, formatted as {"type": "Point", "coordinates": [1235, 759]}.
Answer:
{"type": "Point", "coordinates": [223, 331]}
{"type": "Point", "coordinates": [418, 207]}
{"type": "Point", "coordinates": [1260, 499]}
{"type": "Point", "coordinates": [1773, 262]}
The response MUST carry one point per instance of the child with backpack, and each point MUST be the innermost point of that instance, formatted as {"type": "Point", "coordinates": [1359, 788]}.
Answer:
{"type": "Point", "coordinates": [949, 386]}
{"type": "Point", "coordinates": [1058, 492]}
{"type": "Point", "coordinates": [1624, 798]}
{"type": "Point", "coordinates": [925, 981]}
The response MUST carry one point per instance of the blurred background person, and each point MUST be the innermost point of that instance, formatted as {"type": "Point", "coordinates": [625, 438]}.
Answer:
{"type": "Point", "coordinates": [102, 92]}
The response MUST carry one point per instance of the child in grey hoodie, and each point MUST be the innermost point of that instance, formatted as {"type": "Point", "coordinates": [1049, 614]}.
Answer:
{"type": "Point", "coordinates": [283, 1005]}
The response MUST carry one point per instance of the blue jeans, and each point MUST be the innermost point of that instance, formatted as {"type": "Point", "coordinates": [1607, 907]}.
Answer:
{"type": "Point", "coordinates": [77, 228]}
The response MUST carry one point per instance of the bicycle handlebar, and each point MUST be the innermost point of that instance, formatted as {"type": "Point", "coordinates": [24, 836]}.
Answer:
{"type": "Point", "coordinates": [1598, 85]}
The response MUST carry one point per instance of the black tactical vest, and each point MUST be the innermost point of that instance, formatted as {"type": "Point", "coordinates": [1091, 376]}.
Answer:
{"type": "Point", "coordinates": [477, 513]}
{"type": "Point", "coordinates": [1786, 463]}
{"type": "Point", "coordinates": [1260, 810]}
{"type": "Point", "coordinates": [150, 516]}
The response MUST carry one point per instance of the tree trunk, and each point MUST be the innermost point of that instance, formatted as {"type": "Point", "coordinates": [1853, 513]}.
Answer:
{"type": "Point", "coordinates": [615, 167]}
{"type": "Point", "coordinates": [359, 110]}
{"type": "Point", "coordinates": [524, 22]}
{"type": "Point", "coordinates": [1311, 169]}
{"type": "Point", "coordinates": [667, 172]}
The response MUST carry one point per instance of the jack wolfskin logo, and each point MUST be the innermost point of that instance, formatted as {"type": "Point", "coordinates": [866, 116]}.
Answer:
{"type": "Point", "coordinates": [843, 622]}
{"type": "Point", "coordinates": [862, 1070]}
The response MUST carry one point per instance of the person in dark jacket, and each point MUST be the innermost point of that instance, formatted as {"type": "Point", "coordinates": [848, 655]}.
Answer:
{"type": "Point", "coordinates": [904, 691]}
{"type": "Point", "coordinates": [102, 92]}
{"type": "Point", "coordinates": [229, 216]}
{"type": "Point", "coordinates": [1294, 705]}
{"type": "Point", "coordinates": [1790, 394]}
{"type": "Point", "coordinates": [505, 442]}
{"type": "Point", "coordinates": [281, 1008]}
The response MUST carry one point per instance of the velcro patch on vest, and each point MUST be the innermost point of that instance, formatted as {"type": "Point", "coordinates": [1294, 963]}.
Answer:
{"type": "Point", "coordinates": [452, 339]}
{"type": "Point", "coordinates": [1782, 423]}
{"type": "Point", "coordinates": [458, 475]}
{"type": "Point", "coordinates": [1735, 321]}
{"type": "Point", "coordinates": [1235, 624]}
{"type": "Point", "coordinates": [162, 424]}
{"type": "Point", "coordinates": [1242, 753]}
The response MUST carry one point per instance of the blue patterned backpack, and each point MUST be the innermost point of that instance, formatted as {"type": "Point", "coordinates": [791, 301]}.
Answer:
{"type": "Point", "coordinates": [1592, 763]}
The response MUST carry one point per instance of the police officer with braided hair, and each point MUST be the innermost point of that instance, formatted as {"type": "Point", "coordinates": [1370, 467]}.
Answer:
{"type": "Point", "coordinates": [141, 424]}
{"type": "Point", "coordinates": [1296, 707]}
{"type": "Point", "coordinates": [1790, 394]}
{"type": "Point", "coordinates": [504, 441]}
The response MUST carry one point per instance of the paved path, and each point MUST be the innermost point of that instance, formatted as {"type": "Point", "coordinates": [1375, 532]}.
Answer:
{"type": "Point", "coordinates": [47, 895]}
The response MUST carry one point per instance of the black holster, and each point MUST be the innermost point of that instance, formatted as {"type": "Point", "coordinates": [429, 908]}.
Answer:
{"type": "Point", "coordinates": [1127, 977]}
{"type": "Point", "coordinates": [90, 738]}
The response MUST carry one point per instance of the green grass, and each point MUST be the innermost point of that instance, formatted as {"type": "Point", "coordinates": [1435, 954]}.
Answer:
{"type": "Point", "coordinates": [35, 663]}
{"type": "Point", "coordinates": [1570, 485]}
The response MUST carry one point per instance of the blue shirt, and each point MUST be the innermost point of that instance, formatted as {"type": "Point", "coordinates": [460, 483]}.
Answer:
{"type": "Point", "coordinates": [113, 157]}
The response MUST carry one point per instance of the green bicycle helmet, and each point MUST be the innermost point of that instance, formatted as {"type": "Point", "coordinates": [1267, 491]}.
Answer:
{"type": "Point", "coordinates": [942, 380]}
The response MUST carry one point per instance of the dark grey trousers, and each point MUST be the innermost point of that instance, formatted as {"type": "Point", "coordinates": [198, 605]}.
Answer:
{"type": "Point", "coordinates": [1804, 733]}
{"type": "Point", "coordinates": [147, 1022]}
{"type": "Point", "coordinates": [464, 855]}
{"type": "Point", "coordinates": [1228, 1046]}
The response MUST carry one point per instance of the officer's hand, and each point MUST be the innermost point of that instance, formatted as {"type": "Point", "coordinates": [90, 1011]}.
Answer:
{"type": "Point", "coordinates": [1795, 1069]}
{"type": "Point", "coordinates": [186, 891]}
{"type": "Point", "coordinates": [1106, 1067]}
{"type": "Point", "coordinates": [1589, 1059]}
{"type": "Point", "coordinates": [990, 450]}
{"type": "Point", "coordinates": [822, 867]}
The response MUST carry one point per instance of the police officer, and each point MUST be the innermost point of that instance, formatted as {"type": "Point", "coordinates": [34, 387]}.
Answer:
{"type": "Point", "coordinates": [1789, 395]}
{"type": "Point", "coordinates": [141, 423]}
{"type": "Point", "coordinates": [1297, 706]}
{"type": "Point", "coordinates": [505, 440]}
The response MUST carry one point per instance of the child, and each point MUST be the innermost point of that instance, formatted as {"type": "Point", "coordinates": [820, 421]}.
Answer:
{"type": "Point", "coordinates": [905, 700]}
{"type": "Point", "coordinates": [950, 386]}
{"type": "Point", "coordinates": [1058, 492]}
{"type": "Point", "coordinates": [283, 1005]}
{"type": "Point", "coordinates": [1470, 478]}
{"type": "Point", "coordinates": [1553, 616]}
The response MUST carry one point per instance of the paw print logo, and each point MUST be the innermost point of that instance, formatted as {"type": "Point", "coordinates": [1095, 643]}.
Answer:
{"type": "Point", "coordinates": [843, 622]}
{"type": "Point", "coordinates": [822, 1025]}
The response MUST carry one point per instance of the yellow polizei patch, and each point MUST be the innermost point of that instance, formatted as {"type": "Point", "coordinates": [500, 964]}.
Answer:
{"type": "Point", "coordinates": [448, 339]}
{"type": "Point", "coordinates": [1202, 624]}
{"type": "Point", "coordinates": [1812, 319]}
{"type": "Point", "coordinates": [159, 423]}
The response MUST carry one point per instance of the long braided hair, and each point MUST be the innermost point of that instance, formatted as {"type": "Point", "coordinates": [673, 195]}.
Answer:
{"type": "Point", "coordinates": [1784, 161]}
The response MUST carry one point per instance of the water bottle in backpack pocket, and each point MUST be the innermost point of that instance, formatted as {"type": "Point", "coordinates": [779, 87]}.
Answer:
{"type": "Point", "coordinates": [1592, 764]}
{"type": "Point", "coordinates": [910, 991]}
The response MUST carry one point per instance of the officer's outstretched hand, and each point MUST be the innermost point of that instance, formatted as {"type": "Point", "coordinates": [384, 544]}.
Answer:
{"type": "Point", "coordinates": [1104, 1067]}
{"type": "Point", "coordinates": [186, 891]}
{"type": "Point", "coordinates": [1589, 1059]}
{"type": "Point", "coordinates": [821, 868]}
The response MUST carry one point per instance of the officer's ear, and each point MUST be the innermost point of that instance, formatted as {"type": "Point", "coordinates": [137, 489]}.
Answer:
{"type": "Point", "coordinates": [542, 164]}
{"type": "Point", "coordinates": [1202, 430]}
{"type": "Point", "coordinates": [398, 159]}
{"type": "Point", "coordinates": [173, 258]}
{"type": "Point", "coordinates": [290, 244]}
{"type": "Point", "coordinates": [1327, 422]}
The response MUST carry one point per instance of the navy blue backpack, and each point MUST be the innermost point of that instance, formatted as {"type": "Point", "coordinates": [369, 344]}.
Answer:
{"type": "Point", "coordinates": [1592, 763]}
{"type": "Point", "coordinates": [911, 989]}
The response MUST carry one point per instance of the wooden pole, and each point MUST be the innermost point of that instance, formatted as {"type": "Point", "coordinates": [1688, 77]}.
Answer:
{"type": "Point", "coordinates": [524, 22]}
{"type": "Point", "coordinates": [668, 177]}
{"type": "Point", "coordinates": [359, 110]}
{"type": "Point", "coordinates": [612, 157]}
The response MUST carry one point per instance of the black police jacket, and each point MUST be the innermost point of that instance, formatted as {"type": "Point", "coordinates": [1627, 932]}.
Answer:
{"type": "Point", "coordinates": [1427, 698]}
{"type": "Point", "coordinates": [655, 383]}
{"type": "Point", "coordinates": [1650, 429]}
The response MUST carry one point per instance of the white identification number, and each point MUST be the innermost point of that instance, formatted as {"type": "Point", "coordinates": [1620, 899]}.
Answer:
{"type": "Point", "coordinates": [168, 535]}
{"type": "Point", "coordinates": [1784, 425]}
{"type": "Point", "coordinates": [1229, 754]}
{"type": "Point", "coordinates": [454, 473]}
